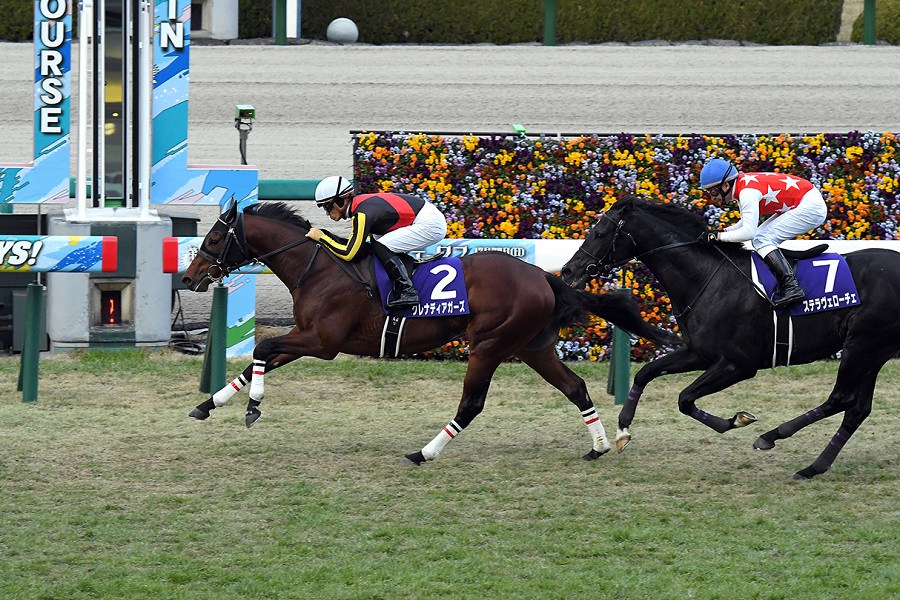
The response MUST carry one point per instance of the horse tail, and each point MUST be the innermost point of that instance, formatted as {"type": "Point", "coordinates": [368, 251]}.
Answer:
{"type": "Point", "coordinates": [574, 305]}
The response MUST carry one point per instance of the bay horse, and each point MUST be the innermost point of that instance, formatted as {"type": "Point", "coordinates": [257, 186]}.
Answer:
{"type": "Point", "coordinates": [729, 329]}
{"type": "Point", "coordinates": [516, 310]}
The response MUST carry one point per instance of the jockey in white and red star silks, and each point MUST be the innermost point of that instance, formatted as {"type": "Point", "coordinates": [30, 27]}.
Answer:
{"type": "Point", "coordinates": [796, 206]}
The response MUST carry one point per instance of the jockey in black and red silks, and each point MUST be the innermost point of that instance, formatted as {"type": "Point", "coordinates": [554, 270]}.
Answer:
{"type": "Point", "coordinates": [398, 223]}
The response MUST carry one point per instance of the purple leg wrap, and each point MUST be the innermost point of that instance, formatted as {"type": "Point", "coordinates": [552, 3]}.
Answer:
{"type": "Point", "coordinates": [813, 415]}
{"type": "Point", "coordinates": [840, 438]}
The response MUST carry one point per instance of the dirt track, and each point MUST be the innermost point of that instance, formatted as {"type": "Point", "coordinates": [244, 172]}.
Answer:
{"type": "Point", "coordinates": [308, 97]}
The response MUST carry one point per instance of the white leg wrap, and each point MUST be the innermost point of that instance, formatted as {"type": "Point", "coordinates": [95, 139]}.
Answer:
{"type": "Point", "coordinates": [257, 385]}
{"type": "Point", "coordinates": [222, 397]}
{"type": "Point", "coordinates": [595, 427]}
{"type": "Point", "coordinates": [435, 446]}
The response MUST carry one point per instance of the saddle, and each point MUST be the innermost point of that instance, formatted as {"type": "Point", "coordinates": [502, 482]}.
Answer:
{"type": "Point", "coordinates": [825, 278]}
{"type": "Point", "coordinates": [442, 292]}
{"type": "Point", "coordinates": [795, 256]}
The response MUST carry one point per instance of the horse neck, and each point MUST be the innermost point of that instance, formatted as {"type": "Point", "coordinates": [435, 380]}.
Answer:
{"type": "Point", "coordinates": [681, 269]}
{"type": "Point", "coordinates": [265, 236]}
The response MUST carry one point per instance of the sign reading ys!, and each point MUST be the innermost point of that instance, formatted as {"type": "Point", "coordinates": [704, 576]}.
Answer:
{"type": "Point", "coordinates": [46, 177]}
{"type": "Point", "coordinates": [58, 253]}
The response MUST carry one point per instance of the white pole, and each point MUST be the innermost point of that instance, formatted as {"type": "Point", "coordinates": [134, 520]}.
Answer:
{"type": "Point", "coordinates": [144, 101]}
{"type": "Point", "coordinates": [85, 19]}
{"type": "Point", "coordinates": [100, 100]}
{"type": "Point", "coordinates": [293, 19]}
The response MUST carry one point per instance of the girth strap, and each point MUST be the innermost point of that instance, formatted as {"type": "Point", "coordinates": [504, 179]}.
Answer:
{"type": "Point", "coordinates": [784, 339]}
{"type": "Point", "coordinates": [392, 333]}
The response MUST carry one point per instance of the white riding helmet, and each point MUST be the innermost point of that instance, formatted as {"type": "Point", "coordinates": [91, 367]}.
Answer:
{"type": "Point", "coordinates": [332, 188]}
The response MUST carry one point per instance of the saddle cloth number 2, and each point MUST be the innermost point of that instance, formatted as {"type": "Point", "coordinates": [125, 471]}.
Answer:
{"type": "Point", "coordinates": [440, 291]}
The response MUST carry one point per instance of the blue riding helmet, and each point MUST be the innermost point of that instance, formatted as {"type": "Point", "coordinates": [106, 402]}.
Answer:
{"type": "Point", "coordinates": [716, 172]}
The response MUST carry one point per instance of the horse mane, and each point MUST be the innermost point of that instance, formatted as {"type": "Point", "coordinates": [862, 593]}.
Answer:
{"type": "Point", "coordinates": [280, 211]}
{"type": "Point", "coordinates": [678, 216]}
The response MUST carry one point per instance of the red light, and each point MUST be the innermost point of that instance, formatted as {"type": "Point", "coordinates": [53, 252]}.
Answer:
{"type": "Point", "coordinates": [111, 301]}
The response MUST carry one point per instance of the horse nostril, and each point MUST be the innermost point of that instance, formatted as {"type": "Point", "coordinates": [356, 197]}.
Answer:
{"type": "Point", "coordinates": [186, 281]}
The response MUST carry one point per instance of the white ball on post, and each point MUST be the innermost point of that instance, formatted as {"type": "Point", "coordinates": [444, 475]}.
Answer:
{"type": "Point", "coordinates": [342, 30]}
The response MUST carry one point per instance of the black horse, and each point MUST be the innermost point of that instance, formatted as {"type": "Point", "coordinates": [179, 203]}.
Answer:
{"type": "Point", "coordinates": [729, 328]}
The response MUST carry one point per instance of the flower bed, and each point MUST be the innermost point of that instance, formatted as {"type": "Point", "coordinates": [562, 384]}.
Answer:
{"type": "Point", "coordinates": [526, 187]}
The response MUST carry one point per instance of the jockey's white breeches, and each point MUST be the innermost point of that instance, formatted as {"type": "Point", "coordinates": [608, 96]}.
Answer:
{"type": "Point", "coordinates": [429, 227]}
{"type": "Point", "coordinates": [800, 220]}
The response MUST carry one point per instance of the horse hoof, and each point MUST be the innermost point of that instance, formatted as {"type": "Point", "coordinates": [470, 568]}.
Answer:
{"type": "Point", "coordinates": [761, 444]}
{"type": "Point", "coordinates": [253, 415]}
{"type": "Point", "coordinates": [744, 418]}
{"type": "Point", "coordinates": [415, 459]}
{"type": "Point", "coordinates": [199, 414]}
{"type": "Point", "coordinates": [203, 409]}
{"type": "Point", "coordinates": [595, 454]}
{"type": "Point", "coordinates": [622, 441]}
{"type": "Point", "coordinates": [807, 473]}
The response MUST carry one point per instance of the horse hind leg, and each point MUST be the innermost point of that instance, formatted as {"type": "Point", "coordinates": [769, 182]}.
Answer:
{"type": "Point", "coordinates": [475, 389]}
{"type": "Point", "coordinates": [548, 365]}
{"type": "Point", "coordinates": [852, 393]}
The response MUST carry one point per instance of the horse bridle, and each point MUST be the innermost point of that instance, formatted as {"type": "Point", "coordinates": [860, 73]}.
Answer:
{"type": "Point", "coordinates": [593, 269]}
{"type": "Point", "coordinates": [235, 238]}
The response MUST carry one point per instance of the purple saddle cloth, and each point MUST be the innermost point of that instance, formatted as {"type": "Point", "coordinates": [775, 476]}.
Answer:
{"type": "Point", "coordinates": [441, 288]}
{"type": "Point", "coordinates": [826, 279]}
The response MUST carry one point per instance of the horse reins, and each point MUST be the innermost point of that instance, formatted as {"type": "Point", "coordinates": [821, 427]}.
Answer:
{"type": "Point", "coordinates": [593, 269]}
{"type": "Point", "coordinates": [236, 235]}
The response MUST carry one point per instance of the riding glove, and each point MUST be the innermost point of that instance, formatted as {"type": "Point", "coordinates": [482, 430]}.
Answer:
{"type": "Point", "coordinates": [708, 237]}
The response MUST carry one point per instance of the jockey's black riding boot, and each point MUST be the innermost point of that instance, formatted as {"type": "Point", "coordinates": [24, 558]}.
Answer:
{"type": "Point", "coordinates": [404, 293]}
{"type": "Point", "coordinates": [791, 291]}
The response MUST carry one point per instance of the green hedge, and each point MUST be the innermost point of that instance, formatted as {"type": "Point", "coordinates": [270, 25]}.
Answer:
{"type": "Point", "coordinates": [17, 24]}
{"type": "Point", "coordinates": [510, 21]}
{"type": "Point", "coordinates": [513, 21]}
{"type": "Point", "coordinates": [887, 23]}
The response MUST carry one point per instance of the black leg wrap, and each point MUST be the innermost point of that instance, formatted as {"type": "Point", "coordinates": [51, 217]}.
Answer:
{"type": "Point", "coordinates": [201, 413]}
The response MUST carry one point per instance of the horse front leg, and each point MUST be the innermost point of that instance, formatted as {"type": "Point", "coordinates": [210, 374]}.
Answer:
{"type": "Point", "coordinates": [220, 398]}
{"type": "Point", "coordinates": [264, 360]}
{"type": "Point", "coordinates": [475, 389]}
{"type": "Point", "coordinates": [681, 360]}
{"type": "Point", "coordinates": [719, 376]}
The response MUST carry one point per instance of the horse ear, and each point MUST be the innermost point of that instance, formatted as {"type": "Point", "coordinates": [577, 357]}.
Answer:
{"type": "Point", "coordinates": [231, 212]}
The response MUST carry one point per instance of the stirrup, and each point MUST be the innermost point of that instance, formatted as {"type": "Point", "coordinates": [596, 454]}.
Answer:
{"type": "Point", "coordinates": [404, 301]}
{"type": "Point", "coordinates": [792, 295]}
